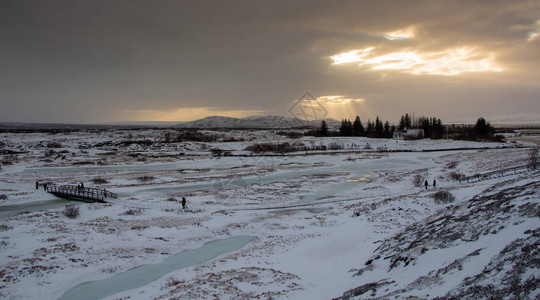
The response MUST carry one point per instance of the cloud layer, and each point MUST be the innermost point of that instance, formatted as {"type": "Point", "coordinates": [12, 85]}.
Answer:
{"type": "Point", "coordinates": [94, 61]}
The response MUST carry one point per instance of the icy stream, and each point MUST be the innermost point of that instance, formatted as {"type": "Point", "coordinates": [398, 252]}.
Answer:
{"type": "Point", "coordinates": [356, 170]}
{"type": "Point", "coordinates": [7, 211]}
{"type": "Point", "coordinates": [145, 274]}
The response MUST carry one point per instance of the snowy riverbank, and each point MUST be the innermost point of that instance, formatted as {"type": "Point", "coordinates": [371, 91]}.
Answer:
{"type": "Point", "coordinates": [366, 229]}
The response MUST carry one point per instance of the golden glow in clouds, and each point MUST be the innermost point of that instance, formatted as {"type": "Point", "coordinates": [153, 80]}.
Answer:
{"type": "Point", "coordinates": [337, 100]}
{"type": "Point", "coordinates": [447, 62]}
{"type": "Point", "coordinates": [400, 34]}
{"type": "Point", "coordinates": [533, 35]}
{"type": "Point", "coordinates": [186, 114]}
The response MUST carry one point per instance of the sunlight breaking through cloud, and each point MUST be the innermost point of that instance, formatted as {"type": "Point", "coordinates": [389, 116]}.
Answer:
{"type": "Point", "coordinates": [446, 62]}
{"type": "Point", "coordinates": [337, 100]}
{"type": "Point", "coordinates": [400, 34]}
{"type": "Point", "coordinates": [533, 35]}
{"type": "Point", "coordinates": [338, 106]}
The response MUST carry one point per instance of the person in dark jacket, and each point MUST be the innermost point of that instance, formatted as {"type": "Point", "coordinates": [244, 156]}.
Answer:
{"type": "Point", "coordinates": [434, 184]}
{"type": "Point", "coordinates": [37, 185]}
{"type": "Point", "coordinates": [426, 184]}
{"type": "Point", "coordinates": [184, 202]}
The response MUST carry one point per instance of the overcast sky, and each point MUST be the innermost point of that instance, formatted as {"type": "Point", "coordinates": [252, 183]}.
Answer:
{"type": "Point", "coordinates": [109, 61]}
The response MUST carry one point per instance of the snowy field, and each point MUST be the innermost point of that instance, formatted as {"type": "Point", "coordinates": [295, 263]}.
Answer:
{"type": "Point", "coordinates": [354, 222]}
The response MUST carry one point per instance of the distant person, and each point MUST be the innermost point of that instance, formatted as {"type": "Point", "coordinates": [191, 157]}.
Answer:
{"type": "Point", "coordinates": [434, 184]}
{"type": "Point", "coordinates": [426, 184]}
{"type": "Point", "coordinates": [45, 187]}
{"type": "Point", "coordinates": [82, 185]}
{"type": "Point", "coordinates": [184, 202]}
{"type": "Point", "coordinates": [37, 185]}
{"type": "Point", "coordinates": [105, 193]}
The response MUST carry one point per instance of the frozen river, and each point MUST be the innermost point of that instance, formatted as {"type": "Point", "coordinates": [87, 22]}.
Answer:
{"type": "Point", "coordinates": [145, 274]}
{"type": "Point", "coordinates": [356, 169]}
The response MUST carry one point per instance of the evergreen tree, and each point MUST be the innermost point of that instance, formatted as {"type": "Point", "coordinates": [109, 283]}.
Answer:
{"type": "Point", "coordinates": [405, 122]}
{"type": "Point", "coordinates": [370, 130]}
{"type": "Point", "coordinates": [343, 127]}
{"type": "Point", "coordinates": [387, 134]}
{"type": "Point", "coordinates": [346, 128]}
{"type": "Point", "coordinates": [437, 131]}
{"type": "Point", "coordinates": [408, 121]}
{"type": "Point", "coordinates": [349, 128]}
{"type": "Point", "coordinates": [324, 128]}
{"type": "Point", "coordinates": [483, 128]}
{"type": "Point", "coordinates": [426, 125]}
{"type": "Point", "coordinates": [357, 127]}
{"type": "Point", "coordinates": [379, 128]}
{"type": "Point", "coordinates": [401, 123]}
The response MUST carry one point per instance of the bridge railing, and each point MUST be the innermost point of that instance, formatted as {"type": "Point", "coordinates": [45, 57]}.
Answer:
{"type": "Point", "coordinates": [84, 193]}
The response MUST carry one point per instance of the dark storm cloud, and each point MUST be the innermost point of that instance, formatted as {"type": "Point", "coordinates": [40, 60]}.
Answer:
{"type": "Point", "coordinates": [88, 61]}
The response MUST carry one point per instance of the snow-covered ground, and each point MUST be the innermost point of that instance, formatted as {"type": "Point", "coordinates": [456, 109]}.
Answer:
{"type": "Point", "coordinates": [354, 222]}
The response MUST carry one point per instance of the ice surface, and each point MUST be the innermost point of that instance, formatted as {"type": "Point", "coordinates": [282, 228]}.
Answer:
{"type": "Point", "coordinates": [142, 275]}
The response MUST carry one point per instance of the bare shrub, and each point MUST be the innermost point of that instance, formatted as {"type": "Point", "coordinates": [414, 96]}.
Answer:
{"type": "Point", "coordinates": [365, 208]}
{"type": "Point", "coordinates": [418, 180]}
{"type": "Point", "coordinates": [4, 244]}
{"type": "Point", "coordinates": [335, 146]}
{"type": "Point", "coordinates": [133, 212]}
{"type": "Point", "coordinates": [99, 180]}
{"type": "Point", "coordinates": [71, 211]}
{"type": "Point", "coordinates": [456, 175]}
{"type": "Point", "coordinates": [452, 165]}
{"type": "Point", "coordinates": [443, 197]}
{"type": "Point", "coordinates": [53, 144]}
{"type": "Point", "coordinates": [291, 134]}
{"type": "Point", "coordinates": [49, 153]}
{"type": "Point", "coordinates": [276, 148]}
{"type": "Point", "coordinates": [7, 162]}
{"type": "Point", "coordinates": [4, 227]}
{"type": "Point", "coordinates": [3, 197]}
{"type": "Point", "coordinates": [533, 158]}
{"type": "Point", "coordinates": [146, 178]}
{"type": "Point", "coordinates": [81, 163]}
{"type": "Point", "coordinates": [172, 282]}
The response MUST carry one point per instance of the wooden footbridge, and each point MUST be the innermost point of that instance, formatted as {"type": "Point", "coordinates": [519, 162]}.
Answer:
{"type": "Point", "coordinates": [75, 192]}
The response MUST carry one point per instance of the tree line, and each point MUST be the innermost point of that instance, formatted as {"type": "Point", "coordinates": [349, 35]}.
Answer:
{"type": "Point", "coordinates": [432, 127]}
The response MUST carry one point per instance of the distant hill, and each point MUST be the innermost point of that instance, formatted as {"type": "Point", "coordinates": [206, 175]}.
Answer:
{"type": "Point", "coordinates": [261, 122]}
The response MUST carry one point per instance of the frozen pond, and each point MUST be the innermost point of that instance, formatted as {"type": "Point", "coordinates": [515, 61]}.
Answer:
{"type": "Point", "coordinates": [145, 274]}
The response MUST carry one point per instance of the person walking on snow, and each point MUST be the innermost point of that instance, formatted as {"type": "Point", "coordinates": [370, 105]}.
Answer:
{"type": "Point", "coordinates": [37, 185]}
{"type": "Point", "coordinates": [184, 202]}
{"type": "Point", "coordinates": [426, 184]}
{"type": "Point", "coordinates": [434, 184]}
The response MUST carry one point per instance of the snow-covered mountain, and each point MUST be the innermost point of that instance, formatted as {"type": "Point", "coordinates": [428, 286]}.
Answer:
{"type": "Point", "coordinates": [254, 122]}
